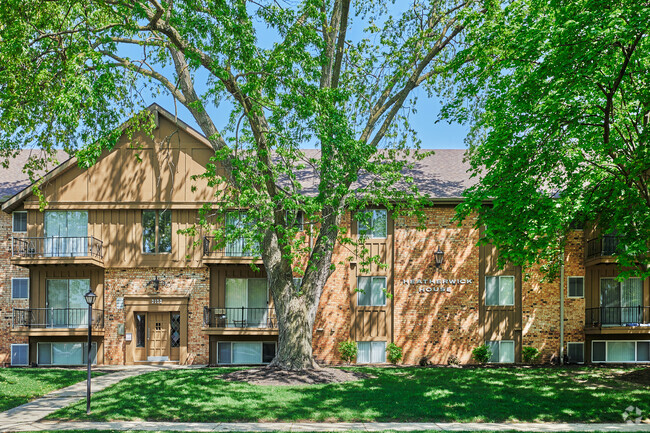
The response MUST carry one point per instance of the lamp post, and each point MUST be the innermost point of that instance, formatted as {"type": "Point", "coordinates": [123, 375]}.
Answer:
{"type": "Point", "coordinates": [90, 300]}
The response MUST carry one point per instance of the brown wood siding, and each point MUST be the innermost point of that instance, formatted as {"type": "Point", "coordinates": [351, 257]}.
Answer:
{"type": "Point", "coordinates": [593, 274]}
{"type": "Point", "coordinates": [499, 322]}
{"type": "Point", "coordinates": [40, 274]}
{"type": "Point", "coordinates": [218, 275]}
{"type": "Point", "coordinates": [374, 323]}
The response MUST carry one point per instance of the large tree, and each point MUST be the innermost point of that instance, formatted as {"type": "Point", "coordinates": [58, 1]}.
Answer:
{"type": "Point", "coordinates": [334, 74]}
{"type": "Point", "coordinates": [558, 96]}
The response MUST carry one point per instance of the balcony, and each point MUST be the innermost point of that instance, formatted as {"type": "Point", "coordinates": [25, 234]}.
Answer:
{"type": "Point", "coordinates": [602, 249]}
{"type": "Point", "coordinates": [234, 252]}
{"type": "Point", "coordinates": [240, 320]}
{"type": "Point", "coordinates": [73, 250]}
{"type": "Point", "coordinates": [56, 321]}
{"type": "Point", "coordinates": [618, 319]}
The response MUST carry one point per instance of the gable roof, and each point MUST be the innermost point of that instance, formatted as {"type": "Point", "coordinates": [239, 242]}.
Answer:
{"type": "Point", "coordinates": [443, 175]}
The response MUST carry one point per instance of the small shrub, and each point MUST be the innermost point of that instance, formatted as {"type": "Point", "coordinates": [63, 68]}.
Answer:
{"type": "Point", "coordinates": [482, 354]}
{"type": "Point", "coordinates": [424, 361]}
{"type": "Point", "coordinates": [393, 353]}
{"type": "Point", "coordinates": [529, 354]}
{"type": "Point", "coordinates": [348, 351]}
{"type": "Point", "coordinates": [453, 360]}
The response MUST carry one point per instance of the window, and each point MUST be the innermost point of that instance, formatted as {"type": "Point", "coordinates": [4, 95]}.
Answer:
{"type": "Point", "coordinates": [240, 247]}
{"type": "Point", "coordinates": [140, 329]}
{"type": "Point", "coordinates": [500, 290]}
{"type": "Point", "coordinates": [65, 353]}
{"type": "Point", "coordinates": [295, 218]}
{"type": "Point", "coordinates": [66, 233]}
{"type": "Point", "coordinates": [246, 303]}
{"type": "Point", "coordinates": [156, 231]}
{"type": "Point", "coordinates": [373, 223]}
{"type": "Point", "coordinates": [576, 287]}
{"type": "Point", "coordinates": [175, 335]}
{"type": "Point", "coordinates": [371, 291]}
{"type": "Point", "coordinates": [576, 353]}
{"type": "Point", "coordinates": [502, 351]}
{"type": "Point", "coordinates": [20, 354]}
{"type": "Point", "coordinates": [19, 222]}
{"type": "Point", "coordinates": [67, 307]}
{"type": "Point", "coordinates": [371, 352]}
{"type": "Point", "coordinates": [20, 288]}
{"type": "Point", "coordinates": [245, 352]}
{"type": "Point", "coordinates": [297, 284]}
{"type": "Point", "coordinates": [620, 351]}
{"type": "Point", "coordinates": [621, 302]}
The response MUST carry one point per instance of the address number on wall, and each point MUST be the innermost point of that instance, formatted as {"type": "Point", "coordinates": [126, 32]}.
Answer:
{"type": "Point", "coordinates": [156, 301]}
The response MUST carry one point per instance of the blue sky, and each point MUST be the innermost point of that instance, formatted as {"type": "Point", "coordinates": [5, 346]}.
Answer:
{"type": "Point", "coordinates": [433, 135]}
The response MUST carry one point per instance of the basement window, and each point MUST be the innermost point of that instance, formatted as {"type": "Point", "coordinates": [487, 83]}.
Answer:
{"type": "Point", "coordinates": [19, 354]}
{"type": "Point", "coordinates": [503, 351]}
{"type": "Point", "coordinates": [371, 352]}
{"type": "Point", "coordinates": [576, 353]}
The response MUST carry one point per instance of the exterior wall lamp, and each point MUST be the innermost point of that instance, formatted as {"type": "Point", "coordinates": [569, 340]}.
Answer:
{"type": "Point", "coordinates": [90, 300]}
{"type": "Point", "coordinates": [155, 283]}
{"type": "Point", "coordinates": [439, 257]}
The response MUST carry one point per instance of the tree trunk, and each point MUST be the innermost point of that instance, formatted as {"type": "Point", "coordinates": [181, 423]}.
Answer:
{"type": "Point", "coordinates": [296, 325]}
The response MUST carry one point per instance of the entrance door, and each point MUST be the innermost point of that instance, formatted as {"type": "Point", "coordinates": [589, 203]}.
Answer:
{"type": "Point", "coordinates": [158, 326]}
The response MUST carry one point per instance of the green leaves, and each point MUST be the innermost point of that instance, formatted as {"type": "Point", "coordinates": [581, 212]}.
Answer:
{"type": "Point", "coordinates": [557, 95]}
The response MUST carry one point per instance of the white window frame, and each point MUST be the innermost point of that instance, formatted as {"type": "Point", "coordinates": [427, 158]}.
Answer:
{"type": "Point", "coordinates": [636, 352]}
{"type": "Point", "coordinates": [84, 350]}
{"type": "Point", "coordinates": [371, 229]}
{"type": "Point", "coordinates": [13, 224]}
{"type": "Point", "coordinates": [583, 349]}
{"type": "Point", "coordinates": [11, 354]}
{"type": "Point", "coordinates": [568, 295]}
{"type": "Point", "coordinates": [514, 350]}
{"type": "Point", "coordinates": [371, 361]}
{"type": "Point", "coordinates": [261, 343]}
{"type": "Point", "coordinates": [514, 290]}
{"type": "Point", "coordinates": [371, 280]}
{"type": "Point", "coordinates": [12, 288]}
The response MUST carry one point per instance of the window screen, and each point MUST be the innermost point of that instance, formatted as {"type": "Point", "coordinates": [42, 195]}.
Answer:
{"type": "Point", "coordinates": [20, 288]}
{"type": "Point", "coordinates": [598, 351]}
{"type": "Point", "coordinates": [576, 287]}
{"type": "Point", "coordinates": [20, 222]}
{"type": "Point", "coordinates": [575, 352]}
{"type": "Point", "coordinates": [19, 354]}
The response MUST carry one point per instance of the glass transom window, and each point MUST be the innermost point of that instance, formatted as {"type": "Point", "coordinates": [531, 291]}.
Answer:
{"type": "Point", "coordinates": [373, 223]}
{"type": "Point", "coordinates": [500, 290]}
{"type": "Point", "coordinates": [371, 291]}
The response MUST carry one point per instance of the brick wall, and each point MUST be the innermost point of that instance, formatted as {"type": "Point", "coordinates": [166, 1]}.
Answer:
{"type": "Point", "coordinates": [432, 324]}
{"type": "Point", "coordinates": [192, 282]}
{"type": "Point", "coordinates": [7, 272]}
{"type": "Point", "coordinates": [574, 308]}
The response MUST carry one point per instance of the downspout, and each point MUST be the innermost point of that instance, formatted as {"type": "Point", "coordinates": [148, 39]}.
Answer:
{"type": "Point", "coordinates": [562, 309]}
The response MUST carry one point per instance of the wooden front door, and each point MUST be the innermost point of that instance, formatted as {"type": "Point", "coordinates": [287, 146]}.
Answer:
{"type": "Point", "coordinates": [158, 324]}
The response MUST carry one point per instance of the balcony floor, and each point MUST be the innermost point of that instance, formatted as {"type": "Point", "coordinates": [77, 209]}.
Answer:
{"type": "Point", "coordinates": [240, 331]}
{"type": "Point", "coordinates": [57, 332]}
{"type": "Point", "coordinates": [59, 261]}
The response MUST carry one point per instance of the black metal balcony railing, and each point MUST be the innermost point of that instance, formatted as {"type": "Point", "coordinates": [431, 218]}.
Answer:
{"type": "Point", "coordinates": [603, 246]}
{"type": "Point", "coordinates": [236, 248]}
{"type": "Point", "coordinates": [617, 316]}
{"type": "Point", "coordinates": [56, 318]}
{"type": "Point", "coordinates": [64, 246]}
{"type": "Point", "coordinates": [241, 317]}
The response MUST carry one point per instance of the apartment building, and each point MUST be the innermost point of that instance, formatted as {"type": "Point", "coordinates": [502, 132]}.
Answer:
{"type": "Point", "coordinates": [164, 297]}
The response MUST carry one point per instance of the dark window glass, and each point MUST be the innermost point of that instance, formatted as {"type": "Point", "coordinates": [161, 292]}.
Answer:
{"type": "Point", "coordinates": [140, 326]}
{"type": "Point", "coordinates": [576, 352]}
{"type": "Point", "coordinates": [20, 288]}
{"type": "Point", "coordinates": [268, 352]}
{"type": "Point", "coordinates": [576, 287]}
{"type": "Point", "coordinates": [224, 353]}
{"type": "Point", "coordinates": [20, 222]}
{"type": "Point", "coordinates": [643, 351]}
{"type": "Point", "coordinates": [598, 354]}
{"type": "Point", "coordinates": [165, 231]}
{"type": "Point", "coordinates": [176, 330]}
{"type": "Point", "coordinates": [149, 231]}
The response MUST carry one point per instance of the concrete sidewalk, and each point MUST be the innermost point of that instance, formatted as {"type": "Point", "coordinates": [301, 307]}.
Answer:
{"type": "Point", "coordinates": [43, 406]}
{"type": "Point", "coordinates": [319, 427]}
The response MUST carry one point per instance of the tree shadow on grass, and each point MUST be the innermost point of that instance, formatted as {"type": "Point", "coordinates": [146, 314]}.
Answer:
{"type": "Point", "coordinates": [401, 394]}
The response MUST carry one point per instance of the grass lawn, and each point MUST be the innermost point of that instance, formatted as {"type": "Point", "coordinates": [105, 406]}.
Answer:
{"type": "Point", "coordinates": [20, 385]}
{"type": "Point", "coordinates": [394, 394]}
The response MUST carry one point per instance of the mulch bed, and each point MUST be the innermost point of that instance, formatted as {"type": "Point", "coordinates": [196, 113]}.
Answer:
{"type": "Point", "coordinates": [642, 377]}
{"type": "Point", "coordinates": [276, 376]}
